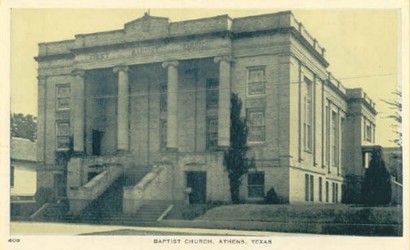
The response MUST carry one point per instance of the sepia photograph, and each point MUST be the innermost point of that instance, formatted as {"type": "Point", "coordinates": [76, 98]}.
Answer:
{"type": "Point", "coordinates": [205, 127]}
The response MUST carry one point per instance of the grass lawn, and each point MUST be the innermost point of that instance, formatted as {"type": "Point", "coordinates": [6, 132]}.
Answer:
{"type": "Point", "coordinates": [338, 213]}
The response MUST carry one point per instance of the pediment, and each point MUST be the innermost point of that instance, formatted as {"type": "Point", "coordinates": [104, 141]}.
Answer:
{"type": "Point", "coordinates": [146, 27]}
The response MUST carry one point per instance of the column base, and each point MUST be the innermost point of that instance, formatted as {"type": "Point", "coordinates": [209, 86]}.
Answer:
{"type": "Point", "coordinates": [78, 153]}
{"type": "Point", "coordinates": [121, 152]}
{"type": "Point", "coordinates": [172, 149]}
{"type": "Point", "coordinates": [223, 148]}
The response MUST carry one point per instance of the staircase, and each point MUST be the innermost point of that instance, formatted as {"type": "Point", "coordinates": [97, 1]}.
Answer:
{"type": "Point", "coordinates": [135, 174]}
{"type": "Point", "coordinates": [148, 214]}
{"type": "Point", "coordinates": [51, 212]}
{"type": "Point", "coordinates": [105, 206]}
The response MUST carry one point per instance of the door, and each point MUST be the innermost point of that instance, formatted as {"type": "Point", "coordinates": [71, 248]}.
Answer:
{"type": "Point", "coordinates": [97, 138]}
{"type": "Point", "coordinates": [60, 186]}
{"type": "Point", "coordinates": [196, 180]}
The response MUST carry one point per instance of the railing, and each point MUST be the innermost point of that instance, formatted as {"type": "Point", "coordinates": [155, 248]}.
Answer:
{"type": "Point", "coordinates": [82, 196]}
{"type": "Point", "coordinates": [150, 187]}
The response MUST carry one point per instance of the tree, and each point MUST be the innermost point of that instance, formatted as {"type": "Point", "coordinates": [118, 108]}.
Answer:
{"type": "Point", "coordinates": [23, 126]}
{"type": "Point", "coordinates": [376, 188]}
{"type": "Point", "coordinates": [396, 105]}
{"type": "Point", "coordinates": [235, 158]}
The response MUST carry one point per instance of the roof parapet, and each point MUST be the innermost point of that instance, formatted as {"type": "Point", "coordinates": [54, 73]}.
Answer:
{"type": "Point", "coordinates": [358, 93]}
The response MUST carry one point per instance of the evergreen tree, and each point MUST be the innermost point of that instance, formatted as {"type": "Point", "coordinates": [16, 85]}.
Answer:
{"type": "Point", "coordinates": [235, 159]}
{"type": "Point", "coordinates": [376, 188]}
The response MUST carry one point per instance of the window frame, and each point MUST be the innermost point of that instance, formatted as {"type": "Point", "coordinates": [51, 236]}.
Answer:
{"type": "Point", "coordinates": [250, 126]}
{"type": "Point", "coordinates": [212, 92]}
{"type": "Point", "coordinates": [211, 134]}
{"type": "Point", "coordinates": [308, 115]}
{"type": "Point", "coordinates": [335, 138]}
{"type": "Point", "coordinates": [58, 136]}
{"type": "Point", "coordinates": [251, 186]}
{"type": "Point", "coordinates": [58, 97]}
{"type": "Point", "coordinates": [163, 97]}
{"type": "Point", "coordinates": [163, 134]}
{"type": "Point", "coordinates": [250, 82]}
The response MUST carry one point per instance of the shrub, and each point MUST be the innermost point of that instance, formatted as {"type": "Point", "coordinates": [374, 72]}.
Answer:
{"type": "Point", "coordinates": [376, 187]}
{"type": "Point", "coordinates": [44, 195]}
{"type": "Point", "coordinates": [272, 198]}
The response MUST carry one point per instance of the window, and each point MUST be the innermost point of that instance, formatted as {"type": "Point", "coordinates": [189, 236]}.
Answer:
{"type": "Point", "coordinates": [337, 193]}
{"type": "Point", "coordinates": [163, 102]}
{"type": "Point", "coordinates": [309, 187]}
{"type": "Point", "coordinates": [63, 96]}
{"type": "Point", "coordinates": [256, 125]}
{"type": "Point", "coordinates": [308, 116]}
{"type": "Point", "coordinates": [333, 192]}
{"type": "Point", "coordinates": [12, 176]}
{"type": "Point", "coordinates": [256, 185]}
{"type": "Point", "coordinates": [320, 189]}
{"type": "Point", "coordinates": [335, 139]}
{"type": "Point", "coordinates": [63, 135]}
{"type": "Point", "coordinates": [312, 189]}
{"type": "Point", "coordinates": [163, 133]}
{"type": "Point", "coordinates": [368, 133]}
{"type": "Point", "coordinates": [212, 133]}
{"type": "Point", "coordinates": [342, 143]}
{"type": "Point", "coordinates": [63, 117]}
{"type": "Point", "coordinates": [328, 136]}
{"type": "Point", "coordinates": [306, 187]}
{"type": "Point", "coordinates": [212, 92]}
{"type": "Point", "coordinates": [327, 191]}
{"type": "Point", "coordinates": [256, 80]}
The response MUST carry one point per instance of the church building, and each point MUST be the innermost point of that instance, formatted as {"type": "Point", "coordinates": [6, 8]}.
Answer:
{"type": "Point", "coordinates": [150, 103]}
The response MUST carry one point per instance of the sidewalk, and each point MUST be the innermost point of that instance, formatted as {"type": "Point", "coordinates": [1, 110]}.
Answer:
{"type": "Point", "coordinates": [41, 228]}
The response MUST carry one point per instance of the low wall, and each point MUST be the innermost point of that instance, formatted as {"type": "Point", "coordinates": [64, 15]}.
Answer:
{"type": "Point", "coordinates": [80, 197]}
{"type": "Point", "coordinates": [156, 185]}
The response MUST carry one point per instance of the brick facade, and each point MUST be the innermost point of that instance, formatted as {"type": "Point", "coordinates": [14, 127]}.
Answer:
{"type": "Point", "coordinates": [303, 122]}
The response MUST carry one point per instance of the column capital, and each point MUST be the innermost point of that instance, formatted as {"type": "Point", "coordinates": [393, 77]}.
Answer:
{"type": "Point", "coordinates": [78, 72]}
{"type": "Point", "coordinates": [219, 59]}
{"type": "Point", "coordinates": [170, 63]}
{"type": "Point", "coordinates": [118, 68]}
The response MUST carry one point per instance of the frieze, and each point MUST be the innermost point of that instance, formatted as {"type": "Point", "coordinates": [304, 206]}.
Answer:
{"type": "Point", "coordinates": [150, 53]}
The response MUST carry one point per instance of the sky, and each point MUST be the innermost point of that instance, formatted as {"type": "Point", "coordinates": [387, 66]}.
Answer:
{"type": "Point", "coordinates": [361, 46]}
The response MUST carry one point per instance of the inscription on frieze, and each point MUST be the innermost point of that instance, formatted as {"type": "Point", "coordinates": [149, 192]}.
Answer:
{"type": "Point", "coordinates": [159, 49]}
{"type": "Point", "coordinates": [98, 56]}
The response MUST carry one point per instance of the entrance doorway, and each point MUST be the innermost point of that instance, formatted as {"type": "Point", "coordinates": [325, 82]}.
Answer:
{"type": "Point", "coordinates": [196, 180]}
{"type": "Point", "coordinates": [60, 185]}
{"type": "Point", "coordinates": [97, 139]}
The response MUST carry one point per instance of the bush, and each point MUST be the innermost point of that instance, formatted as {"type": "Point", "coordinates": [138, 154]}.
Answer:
{"type": "Point", "coordinates": [44, 195]}
{"type": "Point", "coordinates": [272, 198]}
{"type": "Point", "coordinates": [193, 211]}
{"type": "Point", "coordinates": [376, 187]}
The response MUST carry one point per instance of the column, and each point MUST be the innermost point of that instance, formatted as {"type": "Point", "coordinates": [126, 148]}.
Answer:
{"type": "Point", "coordinates": [172, 104]}
{"type": "Point", "coordinates": [77, 113]}
{"type": "Point", "coordinates": [224, 106]}
{"type": "Point", "coordinates": [122, 108]}
{"type": "Point", "coordinates": [41, 118]}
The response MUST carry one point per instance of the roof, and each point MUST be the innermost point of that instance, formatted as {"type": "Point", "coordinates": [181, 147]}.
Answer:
{"type": "Point", "coordinates": [23, 149]}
